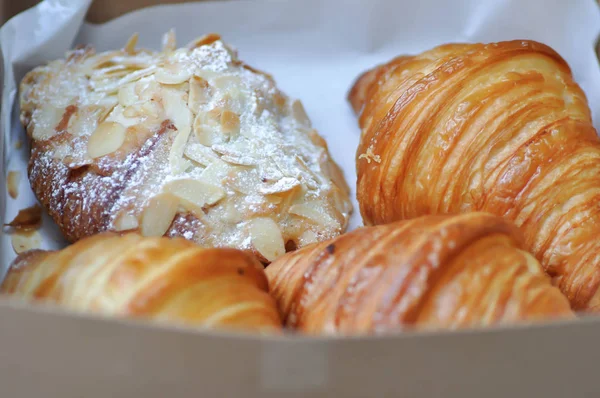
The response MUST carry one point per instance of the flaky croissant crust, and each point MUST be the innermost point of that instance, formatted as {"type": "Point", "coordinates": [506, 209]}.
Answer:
{"type": "Point", "coordinates": [501, 128]}
{"type": "Point", "coordinates": [428, 272]}
{"type": "Point", "coordinates": [169, 280]}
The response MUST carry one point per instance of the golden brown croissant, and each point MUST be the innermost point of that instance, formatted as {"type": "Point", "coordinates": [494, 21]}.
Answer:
{"type": "Point", "coordinates": [185, 142]}
{"type": "Point", "coordinates": [171, 280]}
{"type": "Point", "coordinates": [428, 272]}
{"type": "Point", "coordinates": [501, 128]}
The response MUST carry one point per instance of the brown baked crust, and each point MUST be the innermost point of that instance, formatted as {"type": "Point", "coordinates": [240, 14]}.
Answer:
{"type": "Point", "coordinates": [498, 127]}
{"type": "Point", "coordinates": [430, 272]}
{"type": "Point", "coordinates": [168, 280]}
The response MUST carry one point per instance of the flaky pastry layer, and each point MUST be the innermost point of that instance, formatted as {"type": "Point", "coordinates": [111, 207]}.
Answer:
{"type": "Point", "coordinates": [499, 127]}
{"type": "Point", "coordinates": [431, 272]}
{"type": "Point", "coordinates": [165, 280]}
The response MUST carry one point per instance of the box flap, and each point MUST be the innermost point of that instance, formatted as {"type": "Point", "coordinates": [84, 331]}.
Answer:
{"type": "Point", "coordinates": [55, 354]}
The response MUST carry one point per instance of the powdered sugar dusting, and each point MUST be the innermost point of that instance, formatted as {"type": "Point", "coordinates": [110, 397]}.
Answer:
{"type": "Point", "coordinates": [238, 147]}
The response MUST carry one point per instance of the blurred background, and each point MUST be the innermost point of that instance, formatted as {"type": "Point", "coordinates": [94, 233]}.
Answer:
{"type": "Point", "coordinates": [100, 11]}
{"type": "Point", "coordinates": [104, 10]}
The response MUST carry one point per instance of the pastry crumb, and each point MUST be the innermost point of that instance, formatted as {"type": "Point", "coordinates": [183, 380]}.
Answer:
{"type": "Point", "coordinates": [27, 219]}
{"type": "Point", "coordinates": [370, 156]}
{"type": "Point", "coordinates": [12, 183]}
{"type": "Point", "coordinates": [23, 241]}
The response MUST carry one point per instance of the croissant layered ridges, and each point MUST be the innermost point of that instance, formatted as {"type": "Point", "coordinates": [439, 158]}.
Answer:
{"type": "Point", "coordinates": [155, 278]}
{"type": "Point", "coordinates": [501, 128]}
{"type": "Point", "coordinates": [429, 272]}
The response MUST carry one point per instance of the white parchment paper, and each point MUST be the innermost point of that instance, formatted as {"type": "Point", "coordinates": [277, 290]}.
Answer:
{"type": "Point", "coordinates": [314, 49]}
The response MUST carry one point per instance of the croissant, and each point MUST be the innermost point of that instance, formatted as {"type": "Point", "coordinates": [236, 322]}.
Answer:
{"type": "Point", "coordinates": [167, 280]}
{"type": "Point", "coordinates": [186, 142]}
{"type": "Point", "coordinates": [426, 273]}
{"type": "Point", "coordinates": [501, 128]}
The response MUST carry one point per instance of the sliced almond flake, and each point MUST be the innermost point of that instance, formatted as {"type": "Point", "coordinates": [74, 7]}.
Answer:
{"type": "Point", "coordinates": [310, 212]}
{"type": "Point", "coordinates": [280, 101]}
{"type": "Point", "coordinates": [131, 43]}
{"type": "Point", "coordinates": [76, 162]}
{"type": "Point", "coordinates": [299, 113]}
{"type": "Point", "coordinates": [125, 222]}
{"type": "Point", "coordinates": [62, 152]}
{"type": "Point", "coordinates": [113, 87]}
{"type": "Point", "coordinates": [118, 116]}
{"type": "Point", "coordinates": [27, 219]}
{"type": "Point", "coordinates": [194, 195]}
{"type": "Point", "coordinates": [266, 238]}
{"type": "Point", "coordinates": [127, 95]}
{"type": "Point", "coordinates": [227, 82]}
{"type": "Point", "coordinates": [340, 201]}
{"type": "Point", "coordinates": [271, 173]}
{"type": "Point", "coordinates": [169, 42]}
{"type": "Point", "coordinates": [231, 214]}
{"type": "Point", "coordinates": [341, 218]}
{"type": "Point", "coordinates": [235, 101]}
{"type": "Point", "coordinates": [215, 173]}
{"type": "Point", "coordinates": [200, 154]}
{"type": "Point", "coordinates": [258, 105]}
{"type": "Point", "coordinates": [104, 75]}
{"type": "Point", "coordinates": [45, 119]}
{"type": "Point", "coordinates": [103, 112]}
{"type": "Point", "coordinates": [100, 103]}
{"type": "Point", "coordinates": [337, 176]}
{"type": "Point", "coordinates": [207, 74]}
{"type": "Point", "coordinates": [158, 214]}
{"type": "Point", "coordinates": [106, 139]}
{"type": "Point", "coordinates": [314, 136]}
{"type": "Point", "coordinates": [242, 180]}
{"type": "Point", "coordinates": [239, 160]}
{"type": "Point", "coordinates": [259, 206]}
{"type": "Point", "coordinates": [282, 166]}
{"type": "Point", "coordinates": [296, 195]}
{"type": "Point", "coordinates": [25, 241]}
{"type": "Point", "coordinates": [151, 109]}
{"type": "Point", "coordinates": [12, 183]}
{"type": "Point", "coordinates": [133, 111]}
{"type": "Point", "coordinates": [203, 41]}
{"type": "Point", "coordinates": [285, 184]}
{"type": "Point", "coordinates": [138, 61]}
{"type": "Point", "coordinates": [172, 74]}
{"type": "Point", "coordinates": [147, 89]}
{"type": "Point", "coordinates": [230, 122]}
{"type": "Point", "coordinates": [207, 127]}
{"type": "Point", "coordinates": [273, 199]}
{"type": "Point", "coordinates": [206, 134]}
{"type": "Point", "coordinates": [308, 237]}
{"type": "Point", "coordinates": [199, 93]}
{"type": "Point", "coordinates": [233, 156]}
{"type": "Point", "coordinates": [311, 179]}
{"type": "Point", "coordinates": [176, 110]}
{"type": "Point", "coordinates": [99, 60]}
{"type": "Point", "coordinates": [213, 117]}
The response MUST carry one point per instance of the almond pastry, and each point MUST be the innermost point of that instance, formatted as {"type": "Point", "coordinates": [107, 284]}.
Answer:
{"type": "Point", "coordinates": [185, 142]}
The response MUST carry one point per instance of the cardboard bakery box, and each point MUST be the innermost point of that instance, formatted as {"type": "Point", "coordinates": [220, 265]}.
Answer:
{"type": "Point", "coordinates": [314, 49]}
